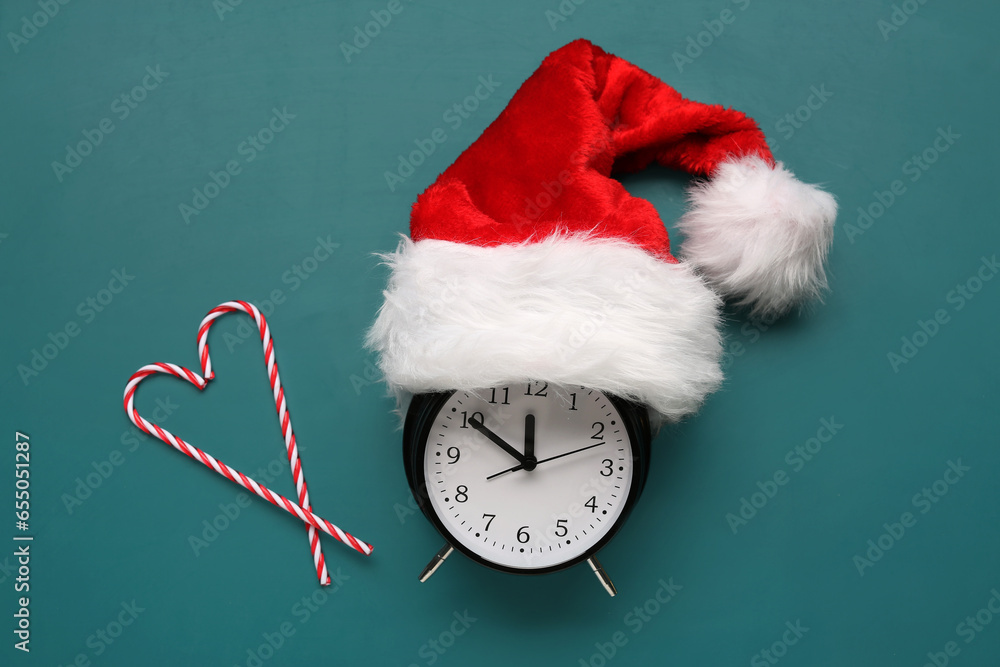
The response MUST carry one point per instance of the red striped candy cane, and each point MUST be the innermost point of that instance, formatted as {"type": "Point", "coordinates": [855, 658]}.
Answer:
{"type": "Point", "coordinates": [303, 509]}
{"type": "Point", "coordinates": [279, 401]}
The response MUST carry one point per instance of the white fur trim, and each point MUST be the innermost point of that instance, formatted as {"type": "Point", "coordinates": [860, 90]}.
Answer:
{"type": "Point", "coordinates": [566, 310]}
{"type": "Point", "coordinates": [759, 235]}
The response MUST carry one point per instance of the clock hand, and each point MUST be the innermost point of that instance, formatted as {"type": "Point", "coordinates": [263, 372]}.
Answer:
{"type": "Point", "coordinates": [496, 439]}
{"type": "Point", "coordinates": [551, 458]}
{"type": "Point", "coordinates": [504, 472]}
{"type": "Point", "coordinates": [529, 443]}
{"type": "Point", "coordinates": [559, 456]}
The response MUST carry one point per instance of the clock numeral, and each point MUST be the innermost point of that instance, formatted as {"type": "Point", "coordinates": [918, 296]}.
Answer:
{"type": "Point", "coordinates": [475, 415]}
{"type": "Point", "coordinates": [522, 534]}
{"type": "Point", "coordinates": [561, 526]}
{"type": "Point", "coordinates": [592, 504]}
{"type": "Point", "coordinates": [454, 454]}
{"type": "Point", "coordinates": [540, 392]}
{"type": "Point", "coordinates": [506, 395]}
{"type": "Point", "coordinates": [598, 431]}
{"type": "Point", "coordinates": [608, 466]}
{"type": "Point", "coordinates": [573, 406]}
{"type": "Point", "coordinates": [462, 493]}
{"type": "Point", "coordinates": [491, 516]}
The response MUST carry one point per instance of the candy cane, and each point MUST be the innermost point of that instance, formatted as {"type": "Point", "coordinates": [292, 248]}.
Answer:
{"type": "Point", "coordinates": [279, 401]}
{"type": "Point", "coordinates": [303, 509]}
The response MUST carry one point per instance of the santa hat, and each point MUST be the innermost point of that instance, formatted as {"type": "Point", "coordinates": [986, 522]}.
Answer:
{"type": "Point", "coordinates": [527, 261]}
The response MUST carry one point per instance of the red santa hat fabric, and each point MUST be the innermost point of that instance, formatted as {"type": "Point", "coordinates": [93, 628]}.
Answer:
{"type": "Point", "coordinates": [527, 260]}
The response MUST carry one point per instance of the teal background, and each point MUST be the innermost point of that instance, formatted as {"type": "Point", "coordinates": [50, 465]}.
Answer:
{"type": "Point", "coordinates": [323, 176]}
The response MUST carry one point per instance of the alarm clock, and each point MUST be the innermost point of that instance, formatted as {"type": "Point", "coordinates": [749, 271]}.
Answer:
{"type": "Point", "coordinates": [582, 290]}
{"type": "Point", "coordinates": [526, 478]}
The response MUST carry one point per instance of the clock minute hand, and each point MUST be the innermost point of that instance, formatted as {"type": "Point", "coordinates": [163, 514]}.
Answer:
{"type": "Point", "coordinates": [496, 439]}
{"type": "Point", "coordinates": [551, 458]}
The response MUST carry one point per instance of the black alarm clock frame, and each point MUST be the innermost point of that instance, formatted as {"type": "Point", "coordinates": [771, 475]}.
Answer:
{"type": "Point", "coordinates": [444, 409]}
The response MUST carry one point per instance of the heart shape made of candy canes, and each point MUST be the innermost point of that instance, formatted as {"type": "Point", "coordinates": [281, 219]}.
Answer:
{"type": "Point", "coordinates": [302, 509]}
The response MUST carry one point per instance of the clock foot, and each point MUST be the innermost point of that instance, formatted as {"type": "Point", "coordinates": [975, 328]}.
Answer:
{"type": "Point", "coordinates": [602, 576]}
{"type": "Point", "coordinates": [436, 562]}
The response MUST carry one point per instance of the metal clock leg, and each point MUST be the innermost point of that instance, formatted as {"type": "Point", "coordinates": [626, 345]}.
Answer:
{"type": "Point", "coordinates": [435, 563]}
{"type": "Point", "coordinates": [602, 576]}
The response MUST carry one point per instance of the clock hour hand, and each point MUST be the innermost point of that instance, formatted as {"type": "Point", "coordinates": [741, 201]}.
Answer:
{"type": "Point", "coordinates": [496, 439]}
{"type": "Point", "coordinates": [551, 458]}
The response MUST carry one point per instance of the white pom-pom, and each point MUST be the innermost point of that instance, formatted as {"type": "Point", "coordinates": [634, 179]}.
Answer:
{"type": "Point", "coordinates": [759, 235]}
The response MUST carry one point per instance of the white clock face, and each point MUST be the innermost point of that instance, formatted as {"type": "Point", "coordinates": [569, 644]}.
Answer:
{"type": "Point", "coordinates": [525, 509]}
